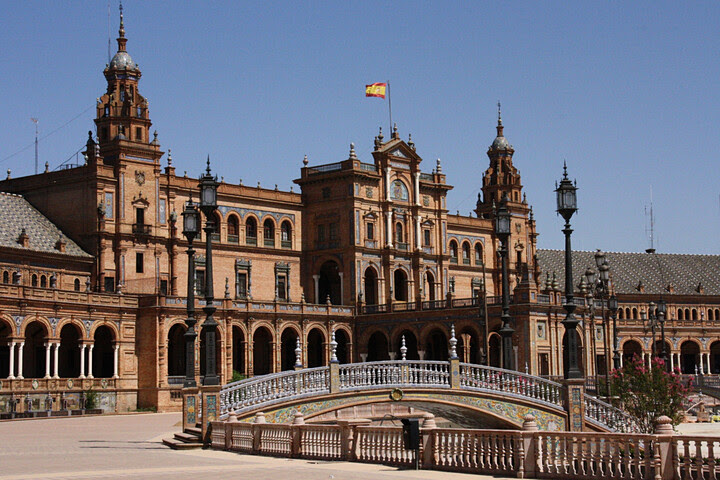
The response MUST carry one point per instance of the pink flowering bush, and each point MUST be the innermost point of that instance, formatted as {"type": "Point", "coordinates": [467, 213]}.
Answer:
{"type": "Point", "coordinates": [649, 393]}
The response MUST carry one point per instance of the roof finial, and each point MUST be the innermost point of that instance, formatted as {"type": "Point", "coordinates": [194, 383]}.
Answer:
{"type": "Point", "coordinates": [499, 115]}
{"type": "Point", "coordinates": [564, 170]}
{"type": "Point", "coordinates": [353, 155]}
{"type": "Point", "coordinates": [500, 125]}
{"type": "Point", "coordinates": [169, 159]}
{"type": "Point", "coordinates": [305, 161]}
{"type": "Point", "coordinates": [395, 131]}
{"type": "Point", "coordinates": [121, 32]}
{"type": "Point", "coordinates": [208, 165]}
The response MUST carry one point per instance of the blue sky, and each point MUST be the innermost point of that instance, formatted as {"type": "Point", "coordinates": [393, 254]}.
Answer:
{"type": "Point", "coordinates": [625, 92]}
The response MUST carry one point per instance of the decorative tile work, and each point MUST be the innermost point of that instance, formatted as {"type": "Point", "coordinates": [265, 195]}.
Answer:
{"type": "Point", "coordinates": [515, 413]}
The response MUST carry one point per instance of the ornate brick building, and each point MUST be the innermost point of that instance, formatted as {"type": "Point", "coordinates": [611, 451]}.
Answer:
{"type": "Point", "coordinates": [93, 296]}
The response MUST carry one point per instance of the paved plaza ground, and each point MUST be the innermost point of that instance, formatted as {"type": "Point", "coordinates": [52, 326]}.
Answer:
{"type": "Point", "coordinates": [129, 446]}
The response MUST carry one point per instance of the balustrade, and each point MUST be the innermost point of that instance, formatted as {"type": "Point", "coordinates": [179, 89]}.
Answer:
{"type": "Point", "coordinates": [321, 442]}
{"type": "Point", "coordinates": [488, 451]}
{"type": "Point", "coordinates": [478, 377]}
{"type": "Point", "coordinates": [604, 414]}
{"type": "Point", "coordinates": [382, 445]}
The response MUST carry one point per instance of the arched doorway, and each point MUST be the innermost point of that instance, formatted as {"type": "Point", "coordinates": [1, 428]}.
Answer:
{"type": "Point", "coordinates": [659, 352]}
{"type": "Point", "coordinates": [430, 286]}
{"type": "Point", "coordinates": [343, 346]}
{"type": "Point", "coordinates": [467, 346]}
{"type": "Point", "coordinates": [714, 358]}
{"type": "Point", "coordinates": [400, 285]}
{"type": "Point", "coordinates": [176, 350]}
{"type": "Point", "coordinates": [630, 349]}
{"type": "Point", "coordinates": [315, 348]}
{"type": "Point", "coordinates": [329, 283]}
{"type": "Point", "coordinates": [262, 352]}
{"type": "Point", "coordinates": [218, 352]}
{"type": "Point", "coordinates": [495, 352]}
{"type": "Point", "coordinates": [410, 344]}
{"type": "Point", "coordinates": [103, 355]}
{"type": "Point", "coordinates": [69, 354]}
{"type": "Point", "coordinates": [689, 357]}
{"type": "Point", "coordinates": [436, 345]}
{"type": "Point", "coordinates": [34, 351]}
{"type": "Point", "coordinates": [288, 342]}
{"type": "Point", "coordinates": [377, 347]}
{"type": "Point", "coordinates": [5, 332]}
{"type": "Point", "coordinates": [371, 286]}
{"type": "Point", "coordinates": [238, 352]}
{"type": "Point", "coordinates": [578, 351]}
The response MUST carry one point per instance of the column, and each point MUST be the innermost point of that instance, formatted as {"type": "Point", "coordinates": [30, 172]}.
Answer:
{"type": "Point", "coordinates": [47, 359]}
{"type": "Point", "coordinates": [417, 187]}
{"type": "Point", "coordinates": [20, 360]}
{"type": "Point", "coordinates": [342, 287]}
{"type": "Point", "coordinates": [115, 360]}
{"type": "Point", "coordinates": [316, 279]}
{"type": "Point", "coordinates": [90, 361]}
{"type": "Point", "coordinates": [82, 361]}
{"type": "Point", "coordinates": [55, 366]}
{"type": "Point", "coordinates": [12, 361]}
{"type": "Point", "coordinates": [389, 232]}
{"type": "Point", "coordinates": [672, 362]}
{"type": "Point", "coordinates": [387, 182]}
{"type": "Point", "coordinates": [418, 240]}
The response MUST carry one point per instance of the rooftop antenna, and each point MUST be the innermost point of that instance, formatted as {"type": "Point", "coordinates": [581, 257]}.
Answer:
{"type": "Point", "coordinates": [650, 216]}
{"type": "Point", "coordinates": [35, 121]}
{"type": "Point", "coordinates": [109, 49]}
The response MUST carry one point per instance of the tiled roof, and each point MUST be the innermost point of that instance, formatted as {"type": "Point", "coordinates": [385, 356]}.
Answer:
{"type": "Point", "coordinates": [655, 270]}
{"type": "Point", "coordinates": [16, 213]}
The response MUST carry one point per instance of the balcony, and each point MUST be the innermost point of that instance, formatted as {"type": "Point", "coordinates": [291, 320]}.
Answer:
{"type": "Point", "coordinates": [453, 260]}
{"type": "Point", "coordinates": [215, 238]}
{"type": "Point", "coordinates": [233, 239]}
{"type": "Point", "coordinates": [428, 250]}
{"type": "Point", "coordinates": [402, 246]}
{"type": "Point", "coordinates": [141, 230]}
{"type": "Point", "coordinates": [466, 261]}
{"type": "Point", "coordinates": [286, 243]}
{"type": "Point", "coordinates": [370, 244]}
{"type": "Point", "coordinates": [251, 241]}
{"type": "Point", "coordinates": [269, 242]}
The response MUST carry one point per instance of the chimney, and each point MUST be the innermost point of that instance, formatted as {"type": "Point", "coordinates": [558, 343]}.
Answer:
{"type": "Point", "coordinates": [60, 244]}
{"type": "Point", "coordinates": [23, 239]}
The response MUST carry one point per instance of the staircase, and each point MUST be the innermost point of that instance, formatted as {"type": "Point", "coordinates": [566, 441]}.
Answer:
{"type": "Point", "coordinates": [189, 439]}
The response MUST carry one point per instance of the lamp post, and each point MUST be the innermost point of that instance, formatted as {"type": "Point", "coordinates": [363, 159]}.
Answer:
{"type": "Point", "coordinates": [613, 307]}
{"type": "Point", "coordinates": [208, 205]}
{"type": "Point", "coordinates": [566, 206]}
{"type": "Point", "coordinates": [661, 310]}
{"type": "Point", "coordinates": [502, 230]}
{"type": "Point", "coordinates": [656, 316]}
{"type": "Point", "coordinates": [600, 288]}
{"type": "Point", "coordinates": [191, 222]}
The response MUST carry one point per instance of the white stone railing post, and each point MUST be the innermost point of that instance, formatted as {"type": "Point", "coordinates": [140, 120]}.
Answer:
{"type": "Point", "coordinates": [47, 359]}
{"type": "Point", "coordinates": [90, 361]}
{"type": "Point", "coordinates": [115, 361]}
{"type": "Point", "coordinates": [232, 419]}
{"type": "Point", "coordinates": [664, 447]}
{"type": "Point", "coordinates": [56, 356]}
{"type": "Point", "coordinates": [296, 435]}
{"type": "Point", "coordinates": [82, 361]}
{"type": "Point", "coordinates": [528, 446]}
{"type": "Point", "coordinates": [428, 439]}
{"type": "Point", "coordinates": [257, 433]}
{"type": "Point", "coordinates": [12, 361]}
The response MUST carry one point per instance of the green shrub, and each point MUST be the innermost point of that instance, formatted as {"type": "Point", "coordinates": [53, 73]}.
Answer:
{"type": "Point", "coordinates": [237, 376]}
{"type": "Point", "coordinates": [91, 399]}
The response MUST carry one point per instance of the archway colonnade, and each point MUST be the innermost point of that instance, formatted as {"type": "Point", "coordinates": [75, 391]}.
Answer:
{"type": "Point", "coordinates": [689, 355]}
{"type": "Point", "coordinates": [38, 347]}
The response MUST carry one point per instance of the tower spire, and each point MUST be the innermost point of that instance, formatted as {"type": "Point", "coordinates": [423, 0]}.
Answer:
{"type": "Point", "coordinates": [499, 124]}
{"type": "Point", "coordinates": [122, 41]}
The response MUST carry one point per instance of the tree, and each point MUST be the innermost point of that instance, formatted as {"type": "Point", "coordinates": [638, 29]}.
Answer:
{"type": "Point", "coordinates": [646, 394]}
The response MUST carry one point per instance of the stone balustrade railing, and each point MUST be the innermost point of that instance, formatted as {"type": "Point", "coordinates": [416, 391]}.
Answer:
{"type": "Point", "coordinates": [526, 453]}
{"type": "Point", "coordinates": [605, 415]}
{"type": "Point", "coordinates": [250, 394]}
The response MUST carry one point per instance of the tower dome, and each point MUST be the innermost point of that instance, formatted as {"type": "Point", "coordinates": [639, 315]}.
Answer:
{"type": "Point", "coordinates": [122, 61]}
{"type": "Point", "coordinates": [500, 142]}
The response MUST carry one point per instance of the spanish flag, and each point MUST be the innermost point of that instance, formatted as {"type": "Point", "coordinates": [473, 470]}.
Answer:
{"type": "Point", "coordinates": [375, 90]}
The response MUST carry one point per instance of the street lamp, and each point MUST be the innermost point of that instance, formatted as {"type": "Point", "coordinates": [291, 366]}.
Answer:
{"type": "Point", "coordinates": [566, 206]}
{"type": "Point", "coordinates": [656, 315]}
{"type": "Point", "coordinates": [599, 286]}
{"type": "Point", "coordinates": [208, 204]}
{"type": "Point", "coordinates": [502, 230]}
{"type": "Point", "coordinates": [661, 311]}
{"type": "Point", "coordinates": [191, 222]}
{"type": "Point", "coordinates": [613, 307]}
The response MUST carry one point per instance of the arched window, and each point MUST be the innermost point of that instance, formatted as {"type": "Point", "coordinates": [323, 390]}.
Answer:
{"type": "Point", "coordinates": [466, 253]}
{"type": "Point", "coordinates": [680, 314]}
{"type": "Point", "coordinates": [634, 313]}
{"type": "Point", "coordinates": [710, 314]}
{"type": "Point", "coordinates": [478, 254]}
{"type": "Point", "coordinates": [251, 231]}
{"type": "Point", "coordinates": [76, 284]}
{"type": "Point", "coordinates": [43, 281]}
{"type": "Point", "coordinates": [687, 314]}
{"type": "Point", "coordinates": [399, 237]}
{"type": "Point", "coordinates": [6, 277]}
{"type": "Point", "coordinates": [453, 251]}
{"type": "Point", "coordinates": [286, 234]}
{"type": "Point", "coordinates": [233, 231]}
{"type": "Point", "coordinates": [621, 314]}
{"type": "Point", "coordinates": [34, 280]}
{"type": "Point", "coordinates": [694, 314]}
{"type": "Point", "coordinates": [269, 233]}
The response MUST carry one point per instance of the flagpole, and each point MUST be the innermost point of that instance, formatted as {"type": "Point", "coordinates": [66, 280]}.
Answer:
{"type": "Point", "coordinates": [390, 108]}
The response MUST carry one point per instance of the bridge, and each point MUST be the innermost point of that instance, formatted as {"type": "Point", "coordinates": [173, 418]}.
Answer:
{"type": "Point", "coordinates": [470, 395]}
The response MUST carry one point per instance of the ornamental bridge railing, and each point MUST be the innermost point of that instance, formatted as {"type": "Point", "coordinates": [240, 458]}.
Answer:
{"type": "Point", "coordinates": [255, 394]}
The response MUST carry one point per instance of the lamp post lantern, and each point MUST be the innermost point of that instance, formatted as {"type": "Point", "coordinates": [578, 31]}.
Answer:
{"type": "Point", "coordinates": [208, 205]}
{"type": "Point", "coordinates": [191, 222]}
{"type": "Point", "coordinates": [613, 307]}
{"type": "Point", "coordinates": [566, 206]}
{"type": "Point", "coordinates": [661, 311]}
{"type": "Point", "coordinates": [502, 230]}
{"type": "Point", "coordinates": [599, 286]}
